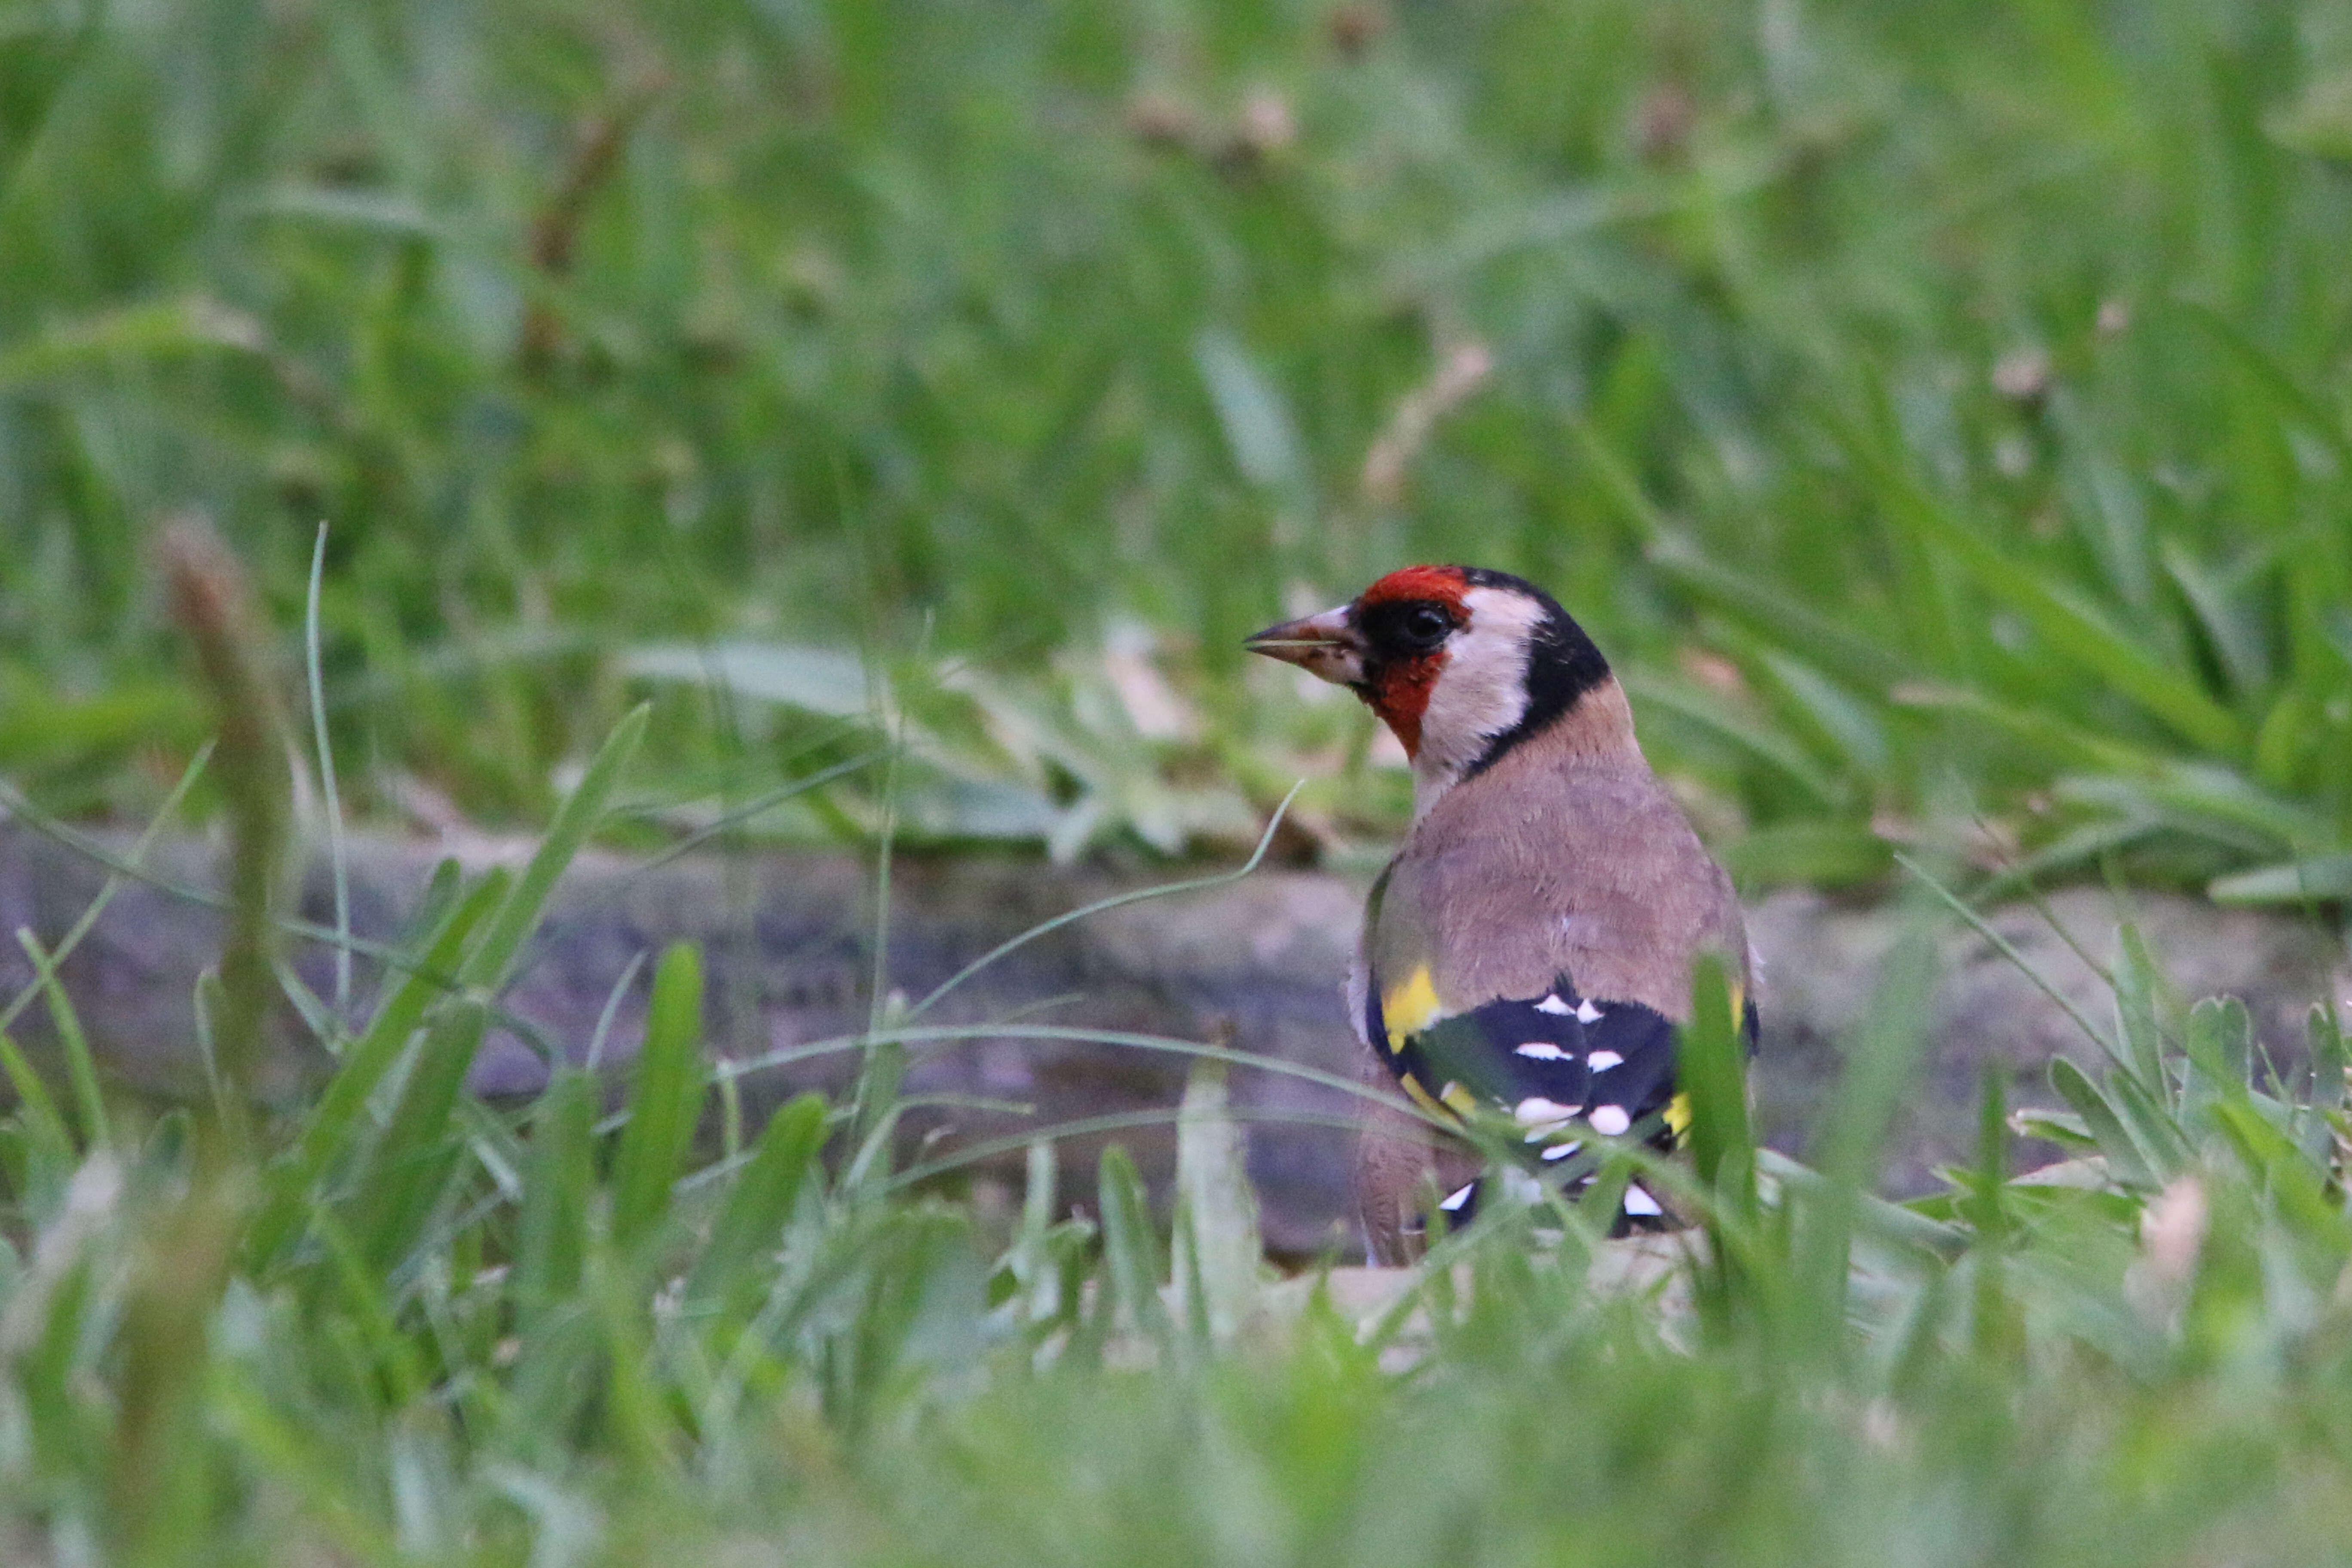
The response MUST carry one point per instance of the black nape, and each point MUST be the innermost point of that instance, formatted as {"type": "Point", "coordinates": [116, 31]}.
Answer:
{"type": "Point", "coordinates": [1563, 664]}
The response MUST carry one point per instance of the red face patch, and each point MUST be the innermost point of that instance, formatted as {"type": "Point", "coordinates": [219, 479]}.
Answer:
{"type": "Point", "coordinates": [1444, 584]}
{"type": "Point", "coordinates": [1398, 694]}
{"type": "Point", "coordinates": [1399, 685]}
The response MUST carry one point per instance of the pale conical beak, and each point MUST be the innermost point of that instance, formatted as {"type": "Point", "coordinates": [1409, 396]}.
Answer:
{"type": "Point", "coordinates": [1324, 646]}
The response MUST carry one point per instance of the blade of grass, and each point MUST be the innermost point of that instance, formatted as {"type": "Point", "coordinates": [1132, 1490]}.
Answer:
{"type": "Point", "coordinates": [2127, 1162]}
{"type": "Point", "coordinates": [2318, 878]}
{"type": "Point", "coordinates": [1881, 1063]}
{"type": "Point", "coordinates": [760, 1203]}
{"type": "Point", "coordinates": [331, 797]}
{"type": "Point", "coordinates": [46, 1130]}
{"type": "Point", "coordinates": [1340, 1083]}
{"type": "Point", "coordinates": [1712, 1066]}
{"type": "Point", "coordinates": [602, 1035]}
{"type": "Point", "coordinates": [2002, 945]}
{"type": "Point", "coordinates": [2143, 1013]}
{"type": "Point", "coordinates": [1997, 1326]}
{"type": "Point", "coordinates": [332, 1127]}
{"type": "Point", "coordinates": [671, 1078]}
{"type": "Point", "coordinates": [1166, 890]}
{"type": "Point", "coordinates": [406, 1171]}
{"type": "Point", "coordinates": [2043, 733]}
{"type": "Point", "coordinates": [559, 1179]}
{"type": "Point", "coordinates": [488, 965]}
{"type": "Point", "coordinates": [728, 820]}
{"type": "Point", "coordinates": [1132, 1266]}
{"type": "Point", "coordinates": [81, 1069]}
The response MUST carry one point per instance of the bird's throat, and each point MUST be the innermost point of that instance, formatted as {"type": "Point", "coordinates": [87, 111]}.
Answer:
{"type": "Point", "coordinates": [1398, 695]}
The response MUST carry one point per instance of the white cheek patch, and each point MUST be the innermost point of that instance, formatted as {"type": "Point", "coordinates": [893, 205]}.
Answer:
{"type": "Point", "coordinates": [1482, 690]}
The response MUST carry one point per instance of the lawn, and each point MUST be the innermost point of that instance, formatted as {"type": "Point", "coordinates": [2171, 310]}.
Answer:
{"type": "Point", "coordinates": [834, 421]}
{"type": "Point", "coordinates": [392, 1323]}
{"type": "Point", "coordinates": [1940, 415]}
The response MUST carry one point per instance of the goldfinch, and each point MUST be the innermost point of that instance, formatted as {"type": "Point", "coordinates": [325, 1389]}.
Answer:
{"type": "Point", "coordinates": [1530, 948]}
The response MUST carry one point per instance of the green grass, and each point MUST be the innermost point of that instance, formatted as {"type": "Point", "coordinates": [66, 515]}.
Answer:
{"type": "Point", "coordinates": [1942, 414]}
{"type": "Point", "coordinates": [393, 1324]}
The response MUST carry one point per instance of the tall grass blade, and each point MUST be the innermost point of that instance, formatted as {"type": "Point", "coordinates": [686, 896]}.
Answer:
{"type": "Point", "coordinates": [2329, 1057]}
{"type": "Point", "coordinates": [492, 958]}
{"type": "Point", "coordinates": [1132, 1266]}
{"type": "Point", "coordinates": [2127, 1162]}
{"type": "Point", "coordinates": [2319, 878]}
{"type": "Point", "coordinates": [559, 1182]}
{"type": "Point", "coordinates": [1996, 1327]}
{"type": "Point", "coordinates": [334, 1125]}
{"type": "Point", "coordinates": [671, 1078]}
{"type": "Point", "coordinates": [759, 1203]}
{"type": "Point", "coordinates": [2007, 949]}
{"type": "Point", "coordinates": [406, 1171]}
{"type": "Point", "coordinates": [2144, 1015]}
{"type": "Point", "coordinates": [1713, 1068]}
{"type": "Point", "coordinates": [47, 1136]}
{"type": "Point", "coordinates": [329, 791]}
{"type": "Point", "coordinates": [81, 1069]}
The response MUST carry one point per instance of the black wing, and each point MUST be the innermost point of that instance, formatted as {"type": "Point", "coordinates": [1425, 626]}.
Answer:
{"type": "Point", "coordinates": [1561, 1064]}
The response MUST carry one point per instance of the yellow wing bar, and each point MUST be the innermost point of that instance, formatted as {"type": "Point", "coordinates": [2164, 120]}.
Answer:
{"type": "Point", "coordinates": [1407, 1009]}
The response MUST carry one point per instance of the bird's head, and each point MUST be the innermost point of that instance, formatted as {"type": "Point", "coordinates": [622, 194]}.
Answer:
{"type": "Point", "coordinates": [1462, 663]}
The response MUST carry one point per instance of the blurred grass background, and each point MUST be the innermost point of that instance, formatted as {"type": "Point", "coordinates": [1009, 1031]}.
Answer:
{"type": "Point", "coordinates": [1943, 413]}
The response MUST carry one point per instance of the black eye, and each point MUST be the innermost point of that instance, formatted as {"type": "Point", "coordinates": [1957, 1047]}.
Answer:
{"type": "Point", "coordinates": [1425, 625]}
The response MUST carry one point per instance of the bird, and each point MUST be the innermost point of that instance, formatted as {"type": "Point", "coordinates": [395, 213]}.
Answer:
{"type": "Point", "coordinates": [1528, 951]}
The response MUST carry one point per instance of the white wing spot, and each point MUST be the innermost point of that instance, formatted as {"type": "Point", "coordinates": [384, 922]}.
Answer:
{"type": "Point", "coordinates": [1601, 1061]}
{"type": "Point", "coordinates": [1553, 1004]}
{"type": "Point", "coordinates": [1453, 1204]}
{"type": "Point", "coordinates": [1542, 1050]}
{"type": "Point", "coordinates": [1638, 1201]}
{"type": "Point", "coordinates": [1541, 1118]}
{"type": "Point", "coordinates": [1562, 1151]}
{"type": "Point", "coordinates": [1586, 1013]}
{"type": "Point", "coordinates": [1611, 1119]}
